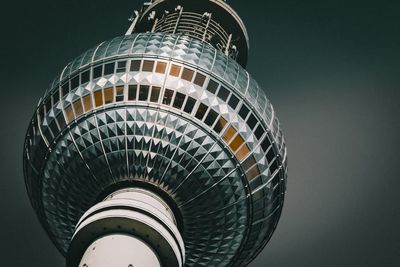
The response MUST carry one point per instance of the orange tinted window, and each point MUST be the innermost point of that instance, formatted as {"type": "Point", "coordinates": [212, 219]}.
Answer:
{"type": "Point", "coordinates": [78, 108]}
{"type": "Point", "coordinates": [175, 70]}
{"type": "Point", "coordinates": [148, 65]}
{"type": "Point", "coordinates": [161, 67]}
{"type": "Point", "coordinates": [242, 153]}
{"type": "Point", "coordinates": [252, 173]}
{"type": "Point", "coordinates": [236, 142]}
{"type": "Point", "coordinates": [69, 113]}
{"type": "Point", "coordinates": [220, 125]}
{"type": "Point", "coordinates": [108, 95]}
{"type": "Point", "coordinates": [87, 103]}
{"type": "Point", "coordinates": [229, 134]}
{"type": "Point", "coordinates": [98, 98]}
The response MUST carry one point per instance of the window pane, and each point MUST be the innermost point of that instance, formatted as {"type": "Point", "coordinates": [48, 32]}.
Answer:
{"type": "Point", "coordinates": [97, 71]}
{"type": "Point", "coordinates": [265, 144]}
{"type": "Point", "coordinates": [78, 107]}
{"type": "Point", "coordinates": [212, 86]}
{"type": "Point", "coordinates": [187, 74]}
{"type": "Point", "coordinates": [248, 163]}
{"type": "Point", "coordinates": [61, 121]}
{"type": "Point", "coordinates": [179, 99]}
{"type": "Point", "coordinates": [259, 132]}
{"type": "Point", "coordinates": [85, 77]}
{"type": "Point", "coordinates": [75, 82]}
{"type": "Point", "coordinates": [98, 98]}
{"type": "Point", "coordinates": [168, 96]}
{"type": "Point", "coordinates": [243, 112]}
{"type": "Point", "coordinates": [87, 103]}
{"type": "Point", "coordinates": [109, 68]}
{"type": "Point", "coordinates": [148, 65]}
{"type": "Point", "coordinates": [270, 155]}
{"type": "Point", "coordinates": [223, 93]}
{"type": "Point", "coordinates": [211, 117]}
{"type": "Point", "coordinates": [144, 92]}
{"type": "Point", "coordinates": [119, 94]}
{"type": "Point", "coordinates": [155, 94]}
{"type": "Point", "coordinates": [233, 101]}
{"type": "Point", "coordinates": [229, 133]}
{"type": "Point", "coordinates": [236, 142]}
{"type": "Point", "coordinates": [220, 125]}
{"type": "Point", "coordinates": [65, 88]}
{"type": "Point", "coordinates": [252, 173]}
{"type": "Point", "coordinates": [252, 121]}
{"type": "Point", "coordinates": [189, 105]}
{"type": "Point", "coordinates": [121, 66]}
{"type": "Point", "coordinates": [69, 114]}
{"type": "Point", "coordinates": [200, 79]}
{"type": "Point", "coordinates": [56, 97]}
{"type": "Point", "coordinates": [201, 111]}
{"type": "Point", "coordinates": [135, 65]}
{"type": "Point", "coordinates": [132, 92]}
{"type": "Point", "coordinates": [175, 70]}
{"type": "Point", "coordinates": [161, 67]}
{"type": "Point", "coordinates": [109, 95]}
{"type": "Point", "coordinates": [243, 152]}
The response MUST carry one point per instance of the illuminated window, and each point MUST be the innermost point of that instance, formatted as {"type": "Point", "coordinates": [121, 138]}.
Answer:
{"type": "Point", "coordinates": [98, 98]}
{"type": "Point", "coordinates": [211, 117]}
{"type": "Point", "coordinates": [143, 92]}
{"type": "Point", "coordinates": [161, 67]}
{"type": "Point", "coordinates": [97, 71]}
{"type": "Point", "coordinates": [200, 79]}
{"type": "Point", "coordinates": [201, 111]}
{"type": "Point", "coordinates": [87, 103]}
{"type": "Point", "coordinates": [243, 152]}
{"type": "Point", "coordinates": [108, 95]}
{"type": "Point", "coordinates": [243, 112]}
{"type": "Point", "coordinates": [69, 114]}
{"type": "Point", "coordinates": [119, 96]}
{"type": "Point", "coordinates": [85, 77]}
{"type": "Point", "coordinates": [78, 108]}
{"type": "Point", "coordinates": [179, 99]}
{"type": "Point", "coordinates": [109, 68]}
{"type": "Point", "coordinates": [189, 105]}
{"type": "Point", "coordinates": [168, 96]}
{"type": "Point", "coordinates": [148, 65]}
{"type": "Point", "coordinates": [233, 101]}
{"type": "Point", "coordinates": [187, 74]}
{"type": "Point", "coordinates": [135, 65]}
{"type": "Point", "coordinates": [229, 133]}
{"type": "Point", "coordinates": [132, 92]}
{"type": "Point", "coordinates": [259, 132]}
{"type": "Point", "coordinates": [121, 66]}
{"type": "Point", "coordinates": [252, 121]}
{"type": "Point", "coordinates": [212, 86]}
{"type": "Point", "coordinates": [236, 142]}
{"type": "Point", "coordinates": [155, 94]}
{"type": "Point", "coordinates": [220, 125]}
{"type": "Point", "coordinates": [223, 93]}
{"type": "Point", "coordinates": [175, 70]}
{"type": "Point", "coordinates": [74, 82]}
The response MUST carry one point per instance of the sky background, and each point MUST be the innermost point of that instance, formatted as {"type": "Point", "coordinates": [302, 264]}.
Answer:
{"type": "Point", "coordinates": [331, 70]}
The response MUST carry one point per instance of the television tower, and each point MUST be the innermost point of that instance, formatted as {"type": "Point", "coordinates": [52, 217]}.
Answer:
{"type": "Point", "coordinates": [157, 148]}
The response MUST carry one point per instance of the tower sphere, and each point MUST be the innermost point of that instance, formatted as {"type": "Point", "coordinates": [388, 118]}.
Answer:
{"type": "Point", "coordinates": [160, 135]}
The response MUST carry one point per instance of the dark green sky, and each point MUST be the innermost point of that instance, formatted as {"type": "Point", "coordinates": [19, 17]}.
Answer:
{"type": "Point", "coordinates": [331, 69]}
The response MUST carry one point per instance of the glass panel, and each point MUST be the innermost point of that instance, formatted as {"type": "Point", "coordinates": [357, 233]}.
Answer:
{"type": "Point", "coordinates": [168, 96]}
{"type": "Point", "coordinates": [229, 133]}
{"type": "Point", "coordinates": [85, 77]}
{"type": "Point", "coordinates": [65, 88]}
{"type": "Point", "coordinates": [155, 94]}
{"type": "Point", "coordinates": [236, 142]}
{"type": "Point", "coordinates": [200, 79]}
{"type": "Point", "coordinates": [270, 155]}
{"type": "Point", "coordinates": [212, 86]}
{"type": "Point", "coordinates": [109, 68]}
{"type": "Point", "coordinates": [175, 70]}
{"type": "Point", "coordinates": [243, 152]}
{"type": "Point", "coordinates": [189, 105]}
{"type": "Point", "coordinates": [179, 99]}
{"type": "Point", "coordinates": [144, 92]}
{"type": "Point", "coordinates": [252, 121]}
{"type": "Point", "coordinates": [211, 117]}
{"type": "Point", "coordinates": [56, 97]}
{"type": "Point", "coordinates": [119, 94]}
{"type": "Point", "coordinates": [74, 82]}
{"type": "Point", "coordinates": [233, 101]}
{"type": "Point", "coordinates": [61, 121]}
{"type": "Point", "coordinates": [132, 92]}
{"type": "Point", "coordinates": [78, 107]}
{"type": "Point", "coordinates": [98, 98]}
{"type": "Point", "coordinates": [161, 67]}
{"type": "Point", "coordinates": [148, 65]}
{"type": "Point", "coordinates": [259, 132]}
{"type": "Point", "coordinates": [135, 65]}
{"type": "Point", "coordinates": [201, 111]}
{"type": "Point", "coordinates": [243, 112]}
{"type": "Point", "coordinates": [220, 125]}
{"type": "Point", "coordinates": [248, 163]}
{"type": "Point", "coordinates": [109, 95]}
{"type": "Point", "coordinates": [121, 66]}
{"type": "Point", "coordinates": [69, 114]}
{"type": "Point", "coordinates": [252, 173]}
{"type": "Point", "coordinates": [265, 144]}
{"type": "Point", "coordinates": [223, 93]}
{"type": "Point", "coordinates": [97, 71]}
{"type": "Point", "coordinates": [187, 74]}
{"type": "Point", "coordinates": [87, 103]}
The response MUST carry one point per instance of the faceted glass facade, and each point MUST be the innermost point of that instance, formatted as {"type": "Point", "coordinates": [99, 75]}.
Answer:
{"type": "Point", "coordinates": [172, 112]}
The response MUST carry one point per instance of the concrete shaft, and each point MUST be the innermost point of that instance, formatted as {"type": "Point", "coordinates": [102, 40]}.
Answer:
{"type": "Point", "coordinates": [131, 227]}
